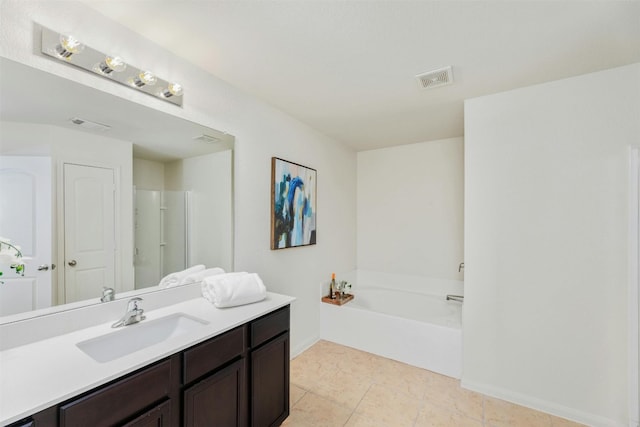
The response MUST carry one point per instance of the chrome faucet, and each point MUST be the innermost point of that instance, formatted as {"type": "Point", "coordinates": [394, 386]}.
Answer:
{"type": "Point", "coordinates": [132, 315]}
{"type": "Point", "coordinates": [108, 294]}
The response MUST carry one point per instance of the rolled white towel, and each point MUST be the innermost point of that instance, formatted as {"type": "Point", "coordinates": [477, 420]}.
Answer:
{"type": "Point", "coordinates": [174, 279]}
{"type": "Point", "coordinates": [200, 275]}
{"type": "Point", "coordinates": [233, 289]}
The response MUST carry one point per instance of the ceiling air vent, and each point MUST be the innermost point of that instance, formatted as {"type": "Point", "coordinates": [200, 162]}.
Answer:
{"type": "Point", "coordinates": [435, 78]}
{"type": "Point", "coordinates": [207, 138]}
{"type": "Point", "coordinates": [89, 125]}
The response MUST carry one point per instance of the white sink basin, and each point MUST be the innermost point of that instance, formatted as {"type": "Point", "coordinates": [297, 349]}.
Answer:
{"type": "Point", "coordinates": [132, 338]}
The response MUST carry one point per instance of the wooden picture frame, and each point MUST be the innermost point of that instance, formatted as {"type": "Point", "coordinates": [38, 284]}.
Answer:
{"type": "Point", "coordinates": [293, 204]}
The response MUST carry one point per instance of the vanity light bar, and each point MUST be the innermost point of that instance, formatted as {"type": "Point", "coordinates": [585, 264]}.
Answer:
{"type": "Point", "coordinates": [70, 50]}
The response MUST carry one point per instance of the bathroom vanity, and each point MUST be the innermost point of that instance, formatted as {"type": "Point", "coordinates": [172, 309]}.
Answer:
{"type": "Point", "coordinates": [235, 373]}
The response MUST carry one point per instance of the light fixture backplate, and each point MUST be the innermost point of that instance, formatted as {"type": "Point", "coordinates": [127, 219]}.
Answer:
{"type": "Point", "coordinates": [89, 59]}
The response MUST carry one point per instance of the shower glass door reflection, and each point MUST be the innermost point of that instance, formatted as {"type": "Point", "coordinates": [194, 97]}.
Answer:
{"type": "Point", "coordinates": [161, 235]}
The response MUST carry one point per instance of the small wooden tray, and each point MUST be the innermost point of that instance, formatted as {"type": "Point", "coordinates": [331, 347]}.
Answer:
{"type": "Point", "coordinates": [338, 301]}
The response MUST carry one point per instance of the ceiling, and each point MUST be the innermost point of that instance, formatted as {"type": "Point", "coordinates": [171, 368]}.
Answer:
{"type": "Point", "coordinates": [347, 67]}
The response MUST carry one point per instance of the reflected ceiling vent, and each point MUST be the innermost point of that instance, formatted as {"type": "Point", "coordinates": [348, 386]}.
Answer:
{"type": "Point", "coordinates": [89, 125]}
{"type": "Point", "coordinates": [207, 138]}
{"type": "Point", "coordinates": [436, 78]}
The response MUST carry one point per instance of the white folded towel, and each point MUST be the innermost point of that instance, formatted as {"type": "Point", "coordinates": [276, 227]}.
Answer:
{"type": "Point", "coordinates": [200, 275]}
{"type": "Point", "coordinates": [232, 289]}
{"type": "Point", "coordinates": [174, 279]}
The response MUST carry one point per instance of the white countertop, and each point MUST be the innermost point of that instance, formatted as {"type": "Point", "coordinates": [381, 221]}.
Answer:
{"type": "Point", "coordinates": [44, 373]}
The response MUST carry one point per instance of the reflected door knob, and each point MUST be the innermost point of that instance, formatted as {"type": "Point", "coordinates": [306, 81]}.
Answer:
{"type": "Point", "coordinates": [72, 263]}
{"type": "Point", "coordinates": [43, 267]}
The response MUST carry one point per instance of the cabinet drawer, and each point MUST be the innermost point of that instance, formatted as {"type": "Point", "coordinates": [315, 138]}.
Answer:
{"type": "Point", "coordinates": [269, 326]}
{"type": "Point", "coordinates": [121, 400]}
{"type": "Point", "coordinates": [212, 354]}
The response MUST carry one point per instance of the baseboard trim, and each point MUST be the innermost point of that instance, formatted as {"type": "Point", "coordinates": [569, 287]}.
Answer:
{"type": "Point", "coordinates": [541, 405]}
{"type": "Point", "coordinates": [303, 346]}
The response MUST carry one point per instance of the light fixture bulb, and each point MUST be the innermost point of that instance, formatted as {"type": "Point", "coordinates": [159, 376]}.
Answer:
{"type": "Point", "coordinates": [174, 89]}
{"type": "Point", "coordinates": [144, 78]}
{"type": "Point", "coordinates": [68, 46]}
{"type": "Point", "coordinates": [111, 64]}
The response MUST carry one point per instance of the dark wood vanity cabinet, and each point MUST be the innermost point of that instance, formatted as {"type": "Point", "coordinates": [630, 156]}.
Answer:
{"type": "Point", "coordinates": [252, 387]}
{"type": "Point", "coordinates": [237, 379]}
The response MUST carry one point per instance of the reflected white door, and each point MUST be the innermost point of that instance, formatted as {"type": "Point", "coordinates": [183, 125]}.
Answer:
{"type": "Point", "coordinates": [25, 219]}
{"type": "Point", "coordinates": [89, 231]}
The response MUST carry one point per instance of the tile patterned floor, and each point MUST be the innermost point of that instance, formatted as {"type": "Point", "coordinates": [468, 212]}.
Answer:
{"type": "Point", "coordinates": [333, 385]}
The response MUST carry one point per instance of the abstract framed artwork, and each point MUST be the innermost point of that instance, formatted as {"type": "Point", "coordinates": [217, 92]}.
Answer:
{"type": "Point", "coordinates": [293, 204]}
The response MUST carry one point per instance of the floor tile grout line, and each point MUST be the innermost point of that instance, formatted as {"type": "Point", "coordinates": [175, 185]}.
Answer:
{"type": "Point", "coordinates": [353, 411]}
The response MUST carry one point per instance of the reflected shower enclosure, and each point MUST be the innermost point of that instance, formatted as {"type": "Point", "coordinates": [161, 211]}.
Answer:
{"type": "Point", "coordinates": [161, 220]}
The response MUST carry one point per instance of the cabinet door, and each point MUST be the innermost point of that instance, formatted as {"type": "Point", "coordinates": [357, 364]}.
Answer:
{"type": "Point", "coordinates": [270, 383]}
{"type": "Point", "coordinates": [218, 400]}
{"type": "Point", "coordinates": [159, 416]}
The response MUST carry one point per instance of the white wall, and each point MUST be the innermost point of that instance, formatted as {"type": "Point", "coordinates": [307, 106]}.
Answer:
{"type": "Point", "coordinates": [148, 174]}
{"type": "Point", "coordinates": [208, 179]}
{"type": "Point", "coordinates": [261, 132]}
{"type": "Point", "coordinates": [545, 314]}
{"type": "Point", "coordinates": [410, 209]}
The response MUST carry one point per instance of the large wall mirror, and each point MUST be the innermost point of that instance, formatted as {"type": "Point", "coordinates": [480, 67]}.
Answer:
{"type": "Point", "coordinates": [100, 192]}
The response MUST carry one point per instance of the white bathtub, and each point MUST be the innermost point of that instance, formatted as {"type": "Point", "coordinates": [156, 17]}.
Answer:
{"type": "Point", "coordinates": [408, 320]}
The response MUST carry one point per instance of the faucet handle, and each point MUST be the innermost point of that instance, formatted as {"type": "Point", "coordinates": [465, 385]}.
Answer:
{"type": "Point", "coordinates": [108, 294]}
{"type": "Point", "coordinates": [133, 304]}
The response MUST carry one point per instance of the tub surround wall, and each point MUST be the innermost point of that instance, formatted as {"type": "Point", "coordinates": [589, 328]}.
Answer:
{"type": "Point", "coordinates": [407, 282]}
{"type": "Point", "coordinates": [401, 282]}
{"type": "Point", "coordinates": [261, 132]}
{"type": "Point", "coordinates": [546, 244]}
{"type": "Point", "coordinates": [410, 209]}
